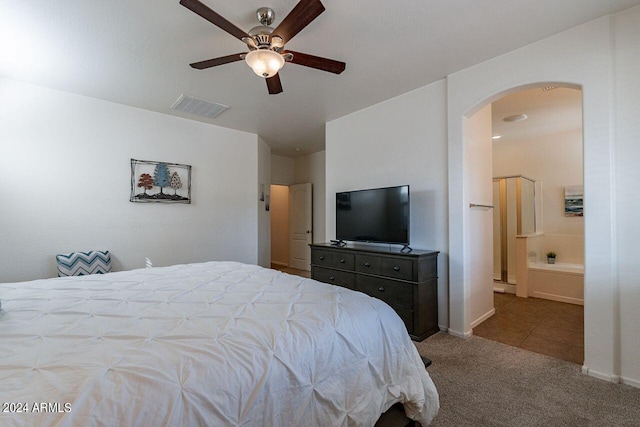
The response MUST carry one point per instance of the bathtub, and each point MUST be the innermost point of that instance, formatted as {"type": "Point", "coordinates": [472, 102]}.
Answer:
{"type": "Point", "coordinates": [558, 282]}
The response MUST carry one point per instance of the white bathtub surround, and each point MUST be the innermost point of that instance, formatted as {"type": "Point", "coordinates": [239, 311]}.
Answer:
{"type": "Point", "coordinates": [562, 281]}
{"type": "Point", "coordinates": [559, 282]}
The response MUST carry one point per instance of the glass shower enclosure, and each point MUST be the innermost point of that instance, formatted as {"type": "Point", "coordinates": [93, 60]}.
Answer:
{"type": "Point", "coordinates": [514, 214]}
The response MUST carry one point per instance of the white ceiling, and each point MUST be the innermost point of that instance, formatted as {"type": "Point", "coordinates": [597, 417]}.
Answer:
{"type": "Point", "coordinates": [136, 52]}
{"type": "Point", "coordinates": [548, 112]}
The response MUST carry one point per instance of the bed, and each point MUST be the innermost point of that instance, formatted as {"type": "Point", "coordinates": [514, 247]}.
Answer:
{"type": "Point", "coordinates": [216, 343]}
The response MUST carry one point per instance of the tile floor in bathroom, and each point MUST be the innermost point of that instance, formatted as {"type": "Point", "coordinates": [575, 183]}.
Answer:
{"type": "Point", "coordinates": [547, 327]}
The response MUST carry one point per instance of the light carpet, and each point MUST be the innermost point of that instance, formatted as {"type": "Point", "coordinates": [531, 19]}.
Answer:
{"type": "Point", "coordinates": [486, 383]}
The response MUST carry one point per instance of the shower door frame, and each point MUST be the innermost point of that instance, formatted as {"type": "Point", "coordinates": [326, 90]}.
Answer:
{"type": "Point", "coordinates": [504, 255]}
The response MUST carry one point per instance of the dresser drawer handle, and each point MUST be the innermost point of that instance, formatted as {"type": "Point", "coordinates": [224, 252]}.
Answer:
{"type": "Point", "coordinates": [332, 278]}
{"type": "Point", "coordinates": [381, 288]}
{"type": "Point", "coordinates": [396, 268]}
{"type": "Point", "coordinates": [367, 264]}
{"type": "Point", "coordinates": [342, 261]}
{"type": "Point", "coordinates": [321, 257]}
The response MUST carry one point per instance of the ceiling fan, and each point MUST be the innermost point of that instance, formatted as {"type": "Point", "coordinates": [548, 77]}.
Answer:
{"type": "Point", "coordinates": [266, 54]}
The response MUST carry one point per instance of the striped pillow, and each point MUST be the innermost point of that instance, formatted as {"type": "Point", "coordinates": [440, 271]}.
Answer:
{"type": "Point", "coordinates": [81, 263]}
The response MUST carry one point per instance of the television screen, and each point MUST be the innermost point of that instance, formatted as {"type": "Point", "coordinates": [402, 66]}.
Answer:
{"type": "Point", "coordinates": [376, 215]}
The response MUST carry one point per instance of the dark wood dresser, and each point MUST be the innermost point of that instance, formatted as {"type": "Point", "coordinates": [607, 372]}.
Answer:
{"type": "Point", "coordinates": [408, 282]}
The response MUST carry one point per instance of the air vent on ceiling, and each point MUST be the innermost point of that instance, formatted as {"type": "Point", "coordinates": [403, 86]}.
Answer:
{"type": "Point", "coordinates": [198, 107]}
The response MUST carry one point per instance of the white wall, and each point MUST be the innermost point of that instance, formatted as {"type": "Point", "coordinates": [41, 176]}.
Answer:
{"type": "Point", "coordinates": [399, 141]}
{"type": "Point", "coordinates": [402, 139]}
{"type": "Point", "coordinates": [282, 170]}
{"type": "Point", "coordinates": [556, 161]}
{"type": "Point", "coordinates": [627, 178]}
{"type": "Point", "coordinates": [264, 216]}
{"type": "Point", "coordinates": [65, 160]}
{"type": "Point", "coordinates": [477, 136]}
{"type": "Point", "coordinates": [581, 56]}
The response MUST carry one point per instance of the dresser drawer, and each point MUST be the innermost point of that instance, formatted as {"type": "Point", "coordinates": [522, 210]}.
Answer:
{"type": "Point", "coordinates": [397, 268]}
{"type": "Point", "coordinates": [368, 264]}
{"type": "Point", "coordinates": [324, 258]}
{"type": "Point", "coordinates": [392, 292]}
{"type": "Point", "coordinates": [333, 277]}
{"type": "Point", "coordinates": [343, 261]}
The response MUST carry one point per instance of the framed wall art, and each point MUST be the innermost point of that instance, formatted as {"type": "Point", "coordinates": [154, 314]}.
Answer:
{"type": "Point", "coordinates": [574, 200]}
{"type": "Point", "coordinates": [160, 182]}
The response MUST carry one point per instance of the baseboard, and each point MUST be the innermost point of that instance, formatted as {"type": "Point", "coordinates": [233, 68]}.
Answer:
{"type": "Point", "coordinates": [460, 334]}
{"type": "Point", "coordinates": [559, 298]}
{"type": "Point", "coordinates": [482, 318]}
{"type": "Point", "coordinates": [600, 375]}
{"type": "Point", "coordinates": [444, 329]}
{"type": "Point", "coordinates": [631, 382]}
{"type": "Point", "coordinates": [616, 379]}
{"type": "Point", "coordinates": [282, 264]}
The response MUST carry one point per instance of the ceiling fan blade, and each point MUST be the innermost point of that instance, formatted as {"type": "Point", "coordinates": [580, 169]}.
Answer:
{"type": "Point", "coordinates": [301, 16]}
{"type": "Point", "coordinates": [274, 85]}
{"type": "Point", "coordinates": [213, 17]}
{"type": "Point", "coordinates": [317, 62]}
{"type": "Point", "coordinates": [217, 61]}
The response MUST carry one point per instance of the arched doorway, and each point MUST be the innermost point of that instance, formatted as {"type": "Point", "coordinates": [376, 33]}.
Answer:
{"type": "Point", "coordinates": [470, 90]}
{"type": "Point", "coordinates": [536, 153]}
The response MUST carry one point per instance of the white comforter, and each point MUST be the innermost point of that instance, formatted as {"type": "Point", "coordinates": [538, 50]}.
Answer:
{"type": "Point", "coordinates": [217, 344]}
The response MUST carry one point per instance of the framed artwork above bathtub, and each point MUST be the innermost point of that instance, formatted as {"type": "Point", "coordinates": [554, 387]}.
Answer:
{"type": "Point", "coordinates": [574, 200]}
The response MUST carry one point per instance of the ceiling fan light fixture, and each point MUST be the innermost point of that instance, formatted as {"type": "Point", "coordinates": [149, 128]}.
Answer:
{"type": "Point", "coordinates": [264, 62]}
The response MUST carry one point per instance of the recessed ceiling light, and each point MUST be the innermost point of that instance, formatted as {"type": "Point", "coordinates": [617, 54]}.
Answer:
{"type": "Point", "coordinates": [515, 118]}
{"type": "Point", "coordinates": [496, 136]}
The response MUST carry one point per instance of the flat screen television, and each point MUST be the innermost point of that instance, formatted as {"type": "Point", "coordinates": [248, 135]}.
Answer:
{"type": "Point", "coordinates": [379, 215]}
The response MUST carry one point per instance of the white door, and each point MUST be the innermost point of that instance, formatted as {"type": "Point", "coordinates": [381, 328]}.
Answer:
{"type": "Point", "coordinates": [300, 218]}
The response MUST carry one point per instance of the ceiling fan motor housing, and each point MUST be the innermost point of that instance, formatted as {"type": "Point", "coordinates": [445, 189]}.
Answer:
{"type": "Point", "coordinates": [262, 39]}
{"type": "Point", "coordinates": [266, 15]}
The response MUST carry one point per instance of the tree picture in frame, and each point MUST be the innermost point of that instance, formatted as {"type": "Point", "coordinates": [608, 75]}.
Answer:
{"type": "Point", "coordinates": [161, 182]}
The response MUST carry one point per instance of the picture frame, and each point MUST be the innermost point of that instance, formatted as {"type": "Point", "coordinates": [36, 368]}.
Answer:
{"type": "Point", "coordinates": [150, 179]}
{"type": "Point", "coordinates": [574, 200]}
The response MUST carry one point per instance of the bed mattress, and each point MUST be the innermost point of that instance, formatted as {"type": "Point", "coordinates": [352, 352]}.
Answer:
{"type": "Point", "coordinates": [217, 343]}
